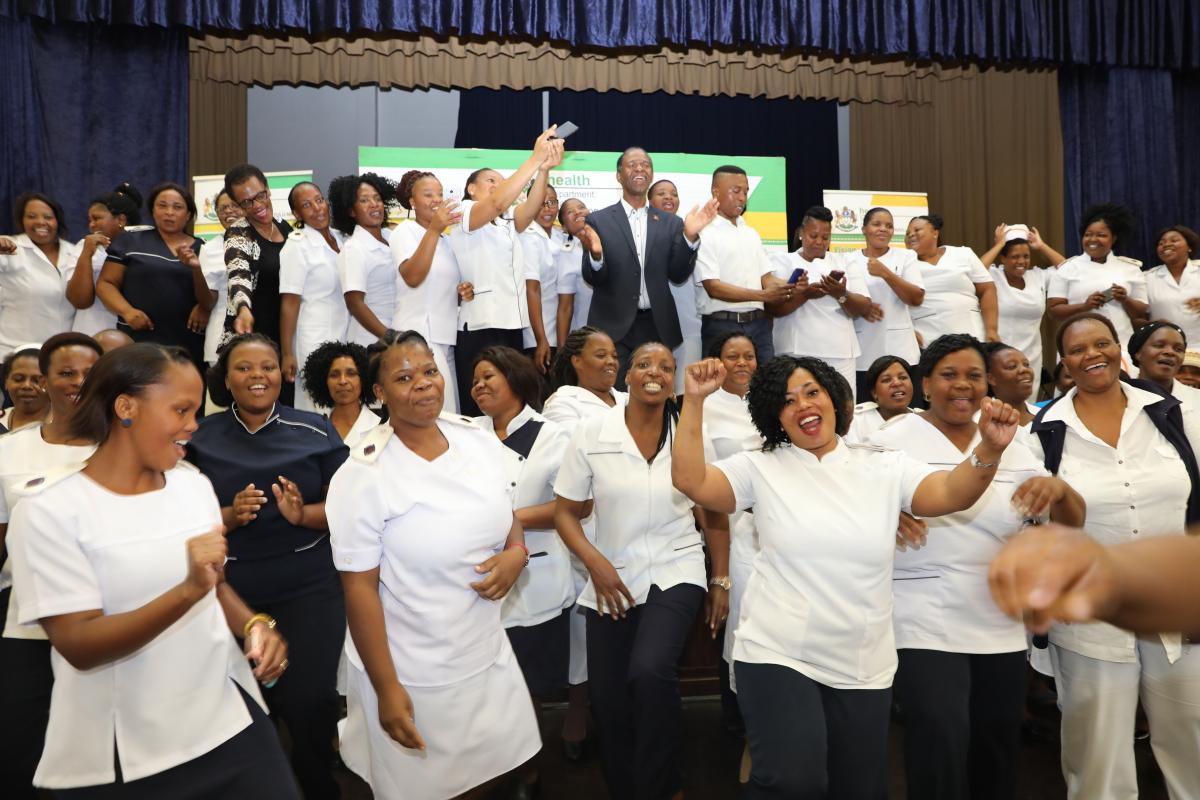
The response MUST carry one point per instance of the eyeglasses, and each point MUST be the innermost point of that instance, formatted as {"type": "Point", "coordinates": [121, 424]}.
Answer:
{"type": "Point", "coordinates": [257, 200]}
{"type": "Point", "coordinates": [549, 203]}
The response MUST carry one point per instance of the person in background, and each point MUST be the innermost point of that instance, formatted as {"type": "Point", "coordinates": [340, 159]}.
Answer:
{"type": "Point", "coordinates": [270, 466]}
{"type": "Point", "coordinates": [212, 263]}
{"type": "Point", "coordinates": [487, 245]}
{"type": "Point", "coordinates": [1126, 450]}
{"type": "Point", "coordinates": [1010, 378]}
{"type": "Point", "coordinates": [536, 612]}
{"type": "Point", "coordinates": [431, 284]}
{"type": "Point", "coordinates": [890, 385]}
{"type": "Point", "coordinates": [1189, 371]}
{"type": "Point", "coordinates": [427, 543]}
{"type": "Point", "coordinates": [26, 388]}
{"type": "Point", "coordinates": [960, 296]}
{"type": "Point", "coordinates": [335, 376]}
{"type": "Point", "coordinates": [818, 320]}
{"type": "Point", "coordinates": [312, 309]}
{"type": "Point", "coordinates": [111, 339]}
{"type": "Point", "coordinates": [121, 561]}
{"type": "Point", "coordinates": [108, 217]}
{"type": "Point", "coordinates": [540, 245]}
{"type": "Point", "coordinates": [664, 196]}
{"type": "Point", "coordinates": [359, 204]}
{"type": "Point", "coordinates": [733, 276]}
{"type": "Point", "coordinates": [153, 279]}
{"type": "Point", "coordinates": [1173, 287]}
{"type": "Point", "coordinates": [894, 281]}
{"type": "Point", "coordinates": [574, 294]}
{"type": "Point", "coordinates": [1157, 350]}
{"type": "Point", "coordinates": [34, 267]}
{"type": "Point", "coordinates": [1098, 279]}
{"type": "Point", "coordinates": [252, 247]}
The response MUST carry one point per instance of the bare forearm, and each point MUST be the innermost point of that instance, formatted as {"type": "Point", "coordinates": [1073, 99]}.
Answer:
{"type": "Point", "coordinates": [538, 518]}
{"type": "Point", "coordinates": [856, 304]}
{"type": "Point", "coordinates": [687, 453]}
{"type": "Point", "coordinates": [524, 214]}
{"type": "Point", "coordinates": [989, 310]}
{"type": "Point", "coordinates": [289, 313]}
{"type": "Point", "coordinates": [365, 619]}
{"type": "Point", "coordinates": [910, 294]}
{"type": "Point", "coordinates": [237, 613]}
{"type": "Point", "coordinates": [716, 539]}
{"type": "Point", "coordinates": [200, 289]}
{"type": "Point", "coordinates": [728, 292]}
{"type": "Point", "coordinates": [566, 310]}
{"type": "Point", "coordinates": [946, 492]}
{"type": "Point", "coordinates": [313, 517]}
{"type": "Point", "coordinates": [1071, 510]}
{"type": "Point", "coordinates": [533, 298]}
{"type": "Point", "coordinates": [357, 306]}
{"type": "Point", "coordinates": [570, 530]}
{"type": "Point", "coordinates": [416, 268]}
{"type": "Point", "coordinates": [1156, 584]}
{"type": "Point", "coordinates": [81, 290]}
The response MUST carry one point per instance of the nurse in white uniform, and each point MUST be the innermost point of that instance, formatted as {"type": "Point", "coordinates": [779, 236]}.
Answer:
{"type": "Point", "coordinates": [312, 309]}
{"type": "Point", "coordinates": [1173, 287]}
{"type": "Point", "coordinates": [960, 296]}
{"type": "Point", "coordinates": [109, 215]}
{"type": "Point", "coordinates": [121, 561]}
{"type": "Point", "coordinates": [34, 268]}
{"type": "Point", "coordinates": [574, 294]}
{"type": "Point", "coordinates": [890, 386]}
{"type": "Point", "coordinates": [431, 283]}
{"type": "Point", "coordinates": [961, 674]}
{"type": "Point", "coordinates": [1010, 378]}
{"type": "Point", "coordinates": [1157, 351]}
{"type": "Point", "coordinates": [1115, 444]}
{"type": "Point", "coordinates": [664, 196]}
{"type": "Point", "coordinates": [424, 534]}
{"type": "Point", "coordinates": [894, 280]}
{"type": "Point", "coordinates": [815, 653]}
{"type": "Point", "coordinates": [540, 243]}
{"type": "Point", "coordinates": [365, 264]}
{"type": "Point", "coordinates": [335, 376]}
{"type": "Point", "coordinates": [1098, 279]}
{"type": "Point", "coordinates": [646, 575]}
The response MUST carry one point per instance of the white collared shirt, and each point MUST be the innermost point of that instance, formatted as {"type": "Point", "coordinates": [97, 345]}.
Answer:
{"type": "Point", "coordinates": [950, 304]}
{"type": "Point", "coordinates": [492, 261]}
{"type": "Point", "coordinates": [1079, 276]}
{"type": "Point", "coordinates": [941, 595]}
{"type": "Point", "coordinates": [541, 251]}
{"type": "Point", "coordinates": [1189, 397]}
{"type": "Point", "coordinates": [308, 267]}
{"type": "Point", "coordinates": [820, 327]}
{"type": "Point", "coordinates": [212, 265]}
{"type": "Point", "coordinates": [1168, 297]}
{"type": "Point", "coordinates": [1137, 489]}
{"type": "Point", "coordinates": [644, 525]}
{"type": "Point", "coordinates": [366, 421]}
{"type": "Point", "coordinates": [546, 586]}
{"type": "Point", "coordinates": [893, 335]}
{"type": "Point", "coordinates": [867, 420]}
{"type": "Point", "coordinates": [96, 317]}
{"type": "Point", "coordinates": [570, 281]}
{"type": "Point", "coordinates": [731, 252]}
{"type": "Point", "coordinates": [365, 265]}
{"type": "Point", "coordinates": [79, 547]}
{"type": "Point", "coordinates": [33, 294]}
{"type": "Point", "coordinates": [570, 405]}
{"type": "Point", "coordinates": [1019, 317]}
{"type": "Point", "coordinates": [430, 308]}
{"type": "Point", "coordinates": [820, 598]}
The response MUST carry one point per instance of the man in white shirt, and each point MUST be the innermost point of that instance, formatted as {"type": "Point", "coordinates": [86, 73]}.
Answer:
{"type": "Point", "coordinates": [734, 271]}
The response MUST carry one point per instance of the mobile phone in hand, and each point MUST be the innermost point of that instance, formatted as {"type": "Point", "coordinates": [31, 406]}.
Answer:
{"type": "Point", "coordinates": [565, 130]}
{"type": "Point", "coordinates": [797, 274]}
{"type": "Point", "coordinates": [837, 274]}
{"type": "Point", "coordinates": [1107, 294]}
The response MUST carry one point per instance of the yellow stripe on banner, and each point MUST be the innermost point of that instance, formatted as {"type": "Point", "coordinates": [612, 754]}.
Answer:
{"type": "Point", "coordinates": [769, 224]}
{"type": "Point", "coordinates": [919, 200]}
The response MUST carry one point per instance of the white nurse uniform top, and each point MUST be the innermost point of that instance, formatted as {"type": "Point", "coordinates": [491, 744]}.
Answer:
{"type": "Point", "coordinates": [308, 267]}
{"type": "Point", "coordinates": [1168, 298]}
{"type": "Point", "coordinates": [365, 265]}
{"type": "Point", "coordinates": [1079, 277]}
{"type": "Point", "coordinates": [894, 335]}
{"type": "Point", "coordinates": [1020, 316]}
{"type": "Point", "coordinates": [33, 294]}
{"type": "Point", "coordinates": [951, 305]}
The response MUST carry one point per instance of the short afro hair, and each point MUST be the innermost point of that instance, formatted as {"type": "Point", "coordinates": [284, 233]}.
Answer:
{"type": "Point", "coordinates": [215, 377]}
{"type": "Point", "coordinates": [316, 371]}
{"type": "Point", "coordinates": [1083, 316]}
{"type": "Point", "coordinates": [945, 345]}
{"type": "Point", "coordinates": [1119, 219]}
{"type": "Point", "coordinates": [768, 391]}
{"type": "Point", "coordinates": [343, 192]}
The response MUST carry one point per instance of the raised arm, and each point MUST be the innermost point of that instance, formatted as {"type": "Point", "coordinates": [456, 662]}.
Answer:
{"type": "Point", "coordinates": [415, 268]}
{"type": "Point", "coordinates": [947, 491]}
{"type": "Point", "coordinates": [524, 214]}
{"type": "Point", "coordinates": [81, 289]}
{"type": "Point", "coordinates": [545, 149]}
{"type": "Point", "coordinates": [705, 485]}
{"type": "Point", "coordinates": [909, 293]}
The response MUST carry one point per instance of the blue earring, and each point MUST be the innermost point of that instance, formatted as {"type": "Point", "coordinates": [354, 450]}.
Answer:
{"type": "Point", "coordinates": [126, 423]}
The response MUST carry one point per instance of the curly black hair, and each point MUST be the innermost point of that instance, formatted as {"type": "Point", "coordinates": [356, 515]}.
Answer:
{"type": "Point", "coordinates": [316, 370]}
{"type": "Point", "coordinates": [343, 191]}
{"type": "Point", "coordinates": [943, 346]}
{"type": "Point", "coordinates": [408, 182]}
{"type": "Point", "coordinates": [1118, 218]}
{"type": "Point", "coordinates": [768, 392]}
{"type": "Point", "coordinates": [562, 371]}
{"type": "Point", "coordinates": [718, 344]}
{"type": "Point", "coordinates": [390, 339]}
{"type": "Point", "coordinates": [215, 377]}
{"type": "Point", "coordinates": [523, 378]}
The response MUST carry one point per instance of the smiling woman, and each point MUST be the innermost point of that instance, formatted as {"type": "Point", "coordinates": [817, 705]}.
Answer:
{"type": "Point", "coordinates": [34, 269]}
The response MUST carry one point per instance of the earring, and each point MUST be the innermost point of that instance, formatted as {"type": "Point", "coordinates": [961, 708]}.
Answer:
{"type": "Point", "coordinates": [126, 422]}
{"type": "Point", "coordinates": [926, 397]}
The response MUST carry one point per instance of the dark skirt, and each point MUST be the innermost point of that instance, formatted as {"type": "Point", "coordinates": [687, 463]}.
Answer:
{"type": "Point", "coordinates": [544, 653]}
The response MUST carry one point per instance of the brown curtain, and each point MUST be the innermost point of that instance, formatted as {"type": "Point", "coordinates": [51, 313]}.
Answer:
{"type": "Point", "coordinates": [987, 149]}
{"type": "Point", "coordinates": [216, 126]}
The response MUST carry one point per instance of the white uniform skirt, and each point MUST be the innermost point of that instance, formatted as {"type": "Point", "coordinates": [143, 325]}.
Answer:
{"type": "Point", "coordinates": [474, 730]}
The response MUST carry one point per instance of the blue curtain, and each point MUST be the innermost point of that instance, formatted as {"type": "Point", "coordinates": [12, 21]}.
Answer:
{"type": "Point", "coordinates": [90, 107]}
{"type": "Point", "coordinates": [1187, 142]}
{"type": "Point", "coordinates": [1150, 33]}
{"type": "Point", "coordinates": [802, 131]}
{"type": "Point", "coordinates": [1123, 142]}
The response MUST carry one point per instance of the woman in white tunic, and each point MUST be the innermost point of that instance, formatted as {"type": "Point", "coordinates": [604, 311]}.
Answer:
{"type": "Point", "coordinates": [536, 611]}
{"type": "Point", "coordinates": [335, 376]}
{"type": "Point", "coordinates": [894, 281]}
{"type": "Point", "coordinates": [960, 296]}
{"type": "Point", "coordinates": [960, 682]}
{"type": "Point", "coordinates": [312, 309]}
{"type": "Point", "coordinates": [1173, 287]}
{"type": "Point", "coordinates": [359, 205]}
{"type": "Point", "coordinates": [34, 268]}
{"type": "Point", "coordinates": [664, 196]}
{"type": "Point", "coordinates": [424, 533]}
{"type": "Point", "coordinates": [1127, 453]}
{"type": "Point", "coordinates": [1010, 378]}
{"type": "Point", "coordinates": [430, 284]}
{"type": "Point", "coordinates": [1021, 290]}
{"type": "Point", "coordinates": [108, 217]}
{"type": "Point", "coordinates": [890, 385]}
{"type": "Point", "coordinates": [540, 243]}
{"type": "Point", "coordinates": [574, 294]}
{"type": "Point", "coordinates": [1098, 279]}
{"type": "Point", "coordinates": [814, 652]}
{"type": "Point", "coordinates": [122, 561]}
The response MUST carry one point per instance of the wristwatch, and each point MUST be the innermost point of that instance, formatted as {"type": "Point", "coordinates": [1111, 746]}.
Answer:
{"type": "Point", "coordinates": [723, 581]}
{"type": "Point", "coordinates": [842, 300]}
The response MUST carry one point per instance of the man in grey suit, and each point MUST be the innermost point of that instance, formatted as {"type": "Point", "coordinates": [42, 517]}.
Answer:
{"type": "Point", "coordinates": [631, 252]}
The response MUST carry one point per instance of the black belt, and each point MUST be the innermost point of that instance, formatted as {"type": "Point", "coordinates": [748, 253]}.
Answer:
{"type": "Point", "coordinates": [740, 317]}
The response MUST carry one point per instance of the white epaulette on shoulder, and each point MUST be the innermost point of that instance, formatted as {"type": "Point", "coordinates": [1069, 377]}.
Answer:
{"type": "Point", "coordinates": [458, 419]}
{"type": "Point", "coordinates": [863, 408]}
{"type": "Point", "coordinates": [40, 482]}
{"type": "Point", "coordinates": [874, 448]}
{"type": "Point", "coordinates": [371, 445]}
{"type": "Point", "coordinates": [297, 234]}
{"type": "Point", "coordinates": [1129, 260]}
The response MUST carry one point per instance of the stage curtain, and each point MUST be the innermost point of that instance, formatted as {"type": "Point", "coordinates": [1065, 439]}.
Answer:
{"type": "Point", "coordinates": [1150, 33]}
{"type": "Point", "coordinates": [987, 150]}
{"type": "Point", "coordinates": [20, 135]}
{"type": "Point", "coordinates": [216, 126]}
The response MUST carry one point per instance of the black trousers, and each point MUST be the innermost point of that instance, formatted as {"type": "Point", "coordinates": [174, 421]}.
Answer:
{"type": "Point", "coordinates": [643, 330]}
{"type": "Point", "coordinates": [808, 741]}
{"type": "Point", "coordinates": [758, 331]}
{"type": "Point", "coordinates": [305, 697]}
{"type": "Point", "coordinates": [250, 766]}
{"type": "Point", "coordinates": [962, 723]}
{"type": "Point", "coordinates": [633, 682]}
{"type": "Point", "coordinates": [26, 680]}
{"type": "Point", "coordinates": [469, 344]}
